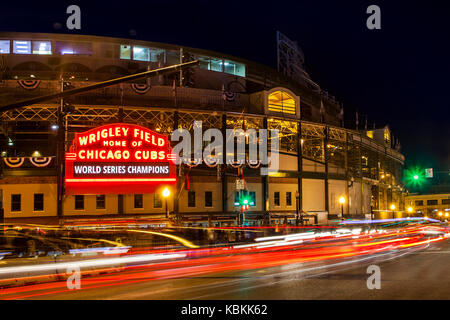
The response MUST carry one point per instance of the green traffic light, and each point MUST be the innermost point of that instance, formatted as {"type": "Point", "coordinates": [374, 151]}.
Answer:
{"type": "Point", "coordinates": [415, 177]}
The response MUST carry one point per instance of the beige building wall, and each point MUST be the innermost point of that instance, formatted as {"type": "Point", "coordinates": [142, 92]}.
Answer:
{"type": "Point", "coordinates": [354, 198]}
{"type": "Point", "coordinates": [149, 202]}
{"type": "Point", "coordinates": [336, 189]}
{"type": "Point", "coordinates": [282, 188]}
{"type": "Point", "coordinates": [27, 192]}
{"type": "Point", "coordinates": [443, 203]}
{"type": "Point", "coordinates": [90, 205]}
{"type": "Point", "coordinates": [200, 188]}
{"type": "Point", "coordinates": [313, 195]}
{"type": "Point", "coordinates": [252, 187]}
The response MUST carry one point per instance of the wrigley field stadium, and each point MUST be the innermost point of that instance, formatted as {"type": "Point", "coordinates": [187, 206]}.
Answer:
{"type": "Point", "coordinates": [56, 166]}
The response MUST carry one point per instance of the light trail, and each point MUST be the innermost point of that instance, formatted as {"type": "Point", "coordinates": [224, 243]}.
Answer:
{"type": "Point", "coordinates": [265, 252]}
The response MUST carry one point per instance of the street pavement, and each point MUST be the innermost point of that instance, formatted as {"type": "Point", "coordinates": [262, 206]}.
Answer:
{"type": "Point", "coordinates": [408, 274]}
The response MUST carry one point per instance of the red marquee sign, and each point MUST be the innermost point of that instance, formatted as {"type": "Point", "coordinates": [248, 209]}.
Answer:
{"type": "Point", "coordinates": [119, 158]}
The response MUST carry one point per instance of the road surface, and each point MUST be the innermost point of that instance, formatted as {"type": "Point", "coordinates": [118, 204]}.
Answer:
{"type": "Point", "coordinates": [405, 274]}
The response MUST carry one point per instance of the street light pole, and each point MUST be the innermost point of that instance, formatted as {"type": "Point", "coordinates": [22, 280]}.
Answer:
{"type": "Point", "coordinates": [393, 210]}
{"type": "Point", "coordinates": [166, 194]}
{"type": "Point", "coordinates": [342, 201]}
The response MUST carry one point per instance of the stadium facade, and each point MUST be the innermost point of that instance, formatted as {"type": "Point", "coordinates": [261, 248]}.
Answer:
{"type": "Point", "coordinates": [320, 160]}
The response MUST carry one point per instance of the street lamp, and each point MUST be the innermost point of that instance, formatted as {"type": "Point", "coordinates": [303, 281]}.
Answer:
{"type": "Point", "coordinates": [410, 209]}
{"type": "Point", "coordinates": [393, 210]}
{"type": "Point", "coordinates": [166, 194]}
{"type": "Point", "coordinates": [342, 201]}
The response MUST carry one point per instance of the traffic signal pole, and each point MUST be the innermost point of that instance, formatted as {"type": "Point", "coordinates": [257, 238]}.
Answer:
{"type": "Point", "coordinates": [60, 146]}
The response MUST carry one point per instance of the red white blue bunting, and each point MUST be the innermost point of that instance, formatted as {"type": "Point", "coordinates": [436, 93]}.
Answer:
{"type": "Point", "coordinates": [140, 88]}
{"type": "Point", "coordinates": [14, 162]}
{"type": "Point", "coordinates": [29, 84]}
{"type": "Point", "coordinates": [40, 162]}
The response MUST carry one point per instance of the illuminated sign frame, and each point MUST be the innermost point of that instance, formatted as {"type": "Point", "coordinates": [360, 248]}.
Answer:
{"type": "Point", "coordinates": [119, 158]}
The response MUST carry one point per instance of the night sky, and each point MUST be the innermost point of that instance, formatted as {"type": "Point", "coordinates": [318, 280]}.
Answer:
{"type": "Point", "coordinates": [398, 75]}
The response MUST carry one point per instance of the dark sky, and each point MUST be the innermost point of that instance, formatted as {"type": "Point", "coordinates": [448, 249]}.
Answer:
{"type": "Point", "coordinates": [397, 75]}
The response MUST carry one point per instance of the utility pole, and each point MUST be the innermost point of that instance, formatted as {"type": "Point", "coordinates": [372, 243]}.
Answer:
{"type": "Point", "coordinates": [60, 148]}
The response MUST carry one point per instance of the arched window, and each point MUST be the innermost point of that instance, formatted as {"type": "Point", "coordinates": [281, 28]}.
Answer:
{"type": "Point", "coordinates": [280, 101]}
{"type": "Point", "coordinates": [387, 135]}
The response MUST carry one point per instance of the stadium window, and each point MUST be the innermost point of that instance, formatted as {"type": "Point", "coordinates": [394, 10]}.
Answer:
{"type": "Point", "coordinates": [252, 198]}
{"type": "Point", "coordinates": [216, 64]}
{"type": "Point", "coordinates": [280, 101]}
{"type": "Point", "coordinates": [138, 201]}
{"type": "Point", "coordinates": [125, 51]}
{"type": "Point", "coordinates": [191, 199]}
{"type": "Point", "coordinates": [211, 64]}
{"type": "Point", "coordinates": [22, 47]}
{"type": "Point", "coordinates": [288, 199]}
{"type": "Point", "coordinates": [141, 53]}
{"type": "Point", "coordinates": [236, 198]}
{"type": "Point", "coordinates": [445, 201]}
{"type": "Point", "coordinates": [276, 198]}
{"type": "Point", "coordinates": [5, 46]}
{"type": "Point", "coordinates": [16, 202]}
{"type": "Point", "coordinates": [387, 136]}
{"type": "Point", "coordinates": [235, 68]}
{"type": "Point", "coordinates": [42, 47]}
{"type": "Point", "coordinates": [79, 202]}
{"type": "Point", "coordinates": [38, 202]}
{"type": "Point", "coordinates": [75, 48]}
{"type": "Point", "coordinates": [100, 201]}
{"type": "Point", "coordinates": [208, 199]}
{"type": "Point", "coordinates": [418, 203]}
{"type": "Point", "coordinates": [432, 202]}
{"type": "Point", "coordinates": [157, 55]}
{"type": "Point", "coordinates": [157, 201]}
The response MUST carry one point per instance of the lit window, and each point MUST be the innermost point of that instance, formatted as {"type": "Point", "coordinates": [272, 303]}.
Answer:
{"type": "Point", "coordinates": [236, 198]}
{"type": "Point", "coordinates": [5, 46]}
{"type": "Point", "coordinates": [252, 198]}
{"type": "Point", "coordinates": [125, 51]}
{"type": "Point", "coordinates": [100, 201]}
{"type": "Point", "coordinates": [76, 48]}
{"type": "Point", "coordinates": [387, 136]}
{"type": "Point", "coordinates": [280, 101]}
{"type": "Point", "coordinates": [212, 64]}
{"type": "Point", "coordinates": [235, 68]}
{"type": "Point", "coordinates": [22, 47]}
{"type": "Point", "coordinates": [38, 202]}
{"type": "Point", "coordinates": [370, 134]}
{"type": "Point", "coordinates": [216, 64]}
{"type": "Point", "coordinates": [141, 53]}
{"type": "Point", "coordinates": [42, 47]}
{"type": "Point", "coordinates": [157, 55]}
